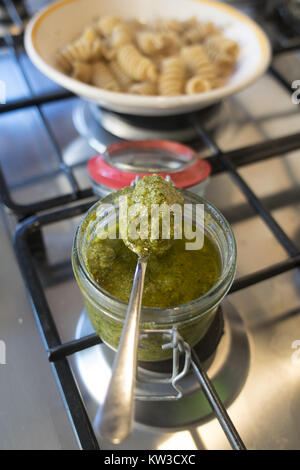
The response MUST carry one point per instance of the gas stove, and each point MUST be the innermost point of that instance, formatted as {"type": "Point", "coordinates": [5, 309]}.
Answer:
{"type": "Point", "coordinates": [252, 142]}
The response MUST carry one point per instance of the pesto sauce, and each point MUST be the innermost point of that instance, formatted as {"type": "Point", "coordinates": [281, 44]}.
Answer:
{"type": "Point", "coordinates": [176, 277]}
{"type": "Point", "coordinates": [148, 191]}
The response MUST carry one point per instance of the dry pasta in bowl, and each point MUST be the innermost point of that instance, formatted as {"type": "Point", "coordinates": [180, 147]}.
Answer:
{"type": "Point", "coordinates": [148, 57]}
{"type": "Point", "coordinates": [164, 57]}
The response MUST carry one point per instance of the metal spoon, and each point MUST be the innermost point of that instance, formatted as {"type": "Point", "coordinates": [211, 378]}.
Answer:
{"type": "Point", "coordinates": [117, 415]}
{"type": "Point", "coordinates": [116, 419]}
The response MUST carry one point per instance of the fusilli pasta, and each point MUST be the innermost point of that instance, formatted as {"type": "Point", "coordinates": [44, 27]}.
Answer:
{"type": "Point", "coordinates": [143, 88]}
{"type": "Point", "coordinates": [106, 24]}
{"type": "Point", "coordinates": [221, 50]}
{"type": "Point", "coordinates": [103, 77]}
{"type": "Point", "coordinates": [135, 65]}
{"type": "Point", "coordinates": [121, 34]}
{"type": "Point", "coordinates": [82, 71]}
{"type": "Point", "coordinates": [199, 32]}
{"type": "Point", "coordinates": [198, 62]}
{"type": "Point", "coordinates": [168, 57]}
{"type": "Point", "coordinates": [124, 80]}
{"type": "Point", "coordinates": [172, 77]}
{"type": "Point", "coordinates": [150, 42]}
{"type": "Point", "coordinates": [197, 85]}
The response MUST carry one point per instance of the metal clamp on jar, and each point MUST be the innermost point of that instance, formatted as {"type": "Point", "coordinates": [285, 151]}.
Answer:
{"type": "Point", "coordinates": [178, 346]}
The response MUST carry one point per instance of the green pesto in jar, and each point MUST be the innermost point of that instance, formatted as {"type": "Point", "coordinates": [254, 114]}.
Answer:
{"type": "Point", "coordinates": [176, 277]}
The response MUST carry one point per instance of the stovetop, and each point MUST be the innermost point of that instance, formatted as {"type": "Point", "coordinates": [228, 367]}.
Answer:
{"type": "Point", "coordinates": [45, 185]}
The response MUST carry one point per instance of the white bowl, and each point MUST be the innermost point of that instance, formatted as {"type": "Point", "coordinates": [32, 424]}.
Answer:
{"type": "Point", "coordinates": [63, 21]}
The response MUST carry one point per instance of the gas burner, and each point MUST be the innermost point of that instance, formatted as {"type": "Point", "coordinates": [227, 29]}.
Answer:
{"type": "Point", "coordinates": [101, 126]}
{"type": "Point", "coordinates": [224, 356]}
{"type": "Point", "coordinates": [130, 127]}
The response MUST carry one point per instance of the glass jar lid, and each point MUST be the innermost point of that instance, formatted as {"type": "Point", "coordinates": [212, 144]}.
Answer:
{"type": "Point", "coordinates": [119, 165]}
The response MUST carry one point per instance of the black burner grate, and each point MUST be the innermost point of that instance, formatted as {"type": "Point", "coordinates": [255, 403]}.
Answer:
{"type": "Point", "coordinates": [32, 220]}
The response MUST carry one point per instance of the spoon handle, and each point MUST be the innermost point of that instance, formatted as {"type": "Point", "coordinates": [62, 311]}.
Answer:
{"type": "Point", "coordinates": [118, 409]}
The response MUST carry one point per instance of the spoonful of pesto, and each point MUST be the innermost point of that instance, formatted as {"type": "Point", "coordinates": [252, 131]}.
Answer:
{"type": "Point", "coordinates": [142, 231]}
{"type": "Point", "coordinates": [151, 198]}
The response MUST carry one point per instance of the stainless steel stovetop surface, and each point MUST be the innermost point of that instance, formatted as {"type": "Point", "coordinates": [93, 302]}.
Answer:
{"type": "Point", "coordinates": [266, 410]}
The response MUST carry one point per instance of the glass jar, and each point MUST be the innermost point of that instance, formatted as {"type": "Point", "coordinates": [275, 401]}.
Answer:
{"type": "Point", "coordinates": [121, 162]}
{"type": "Point", "coordinates": [192, 319]}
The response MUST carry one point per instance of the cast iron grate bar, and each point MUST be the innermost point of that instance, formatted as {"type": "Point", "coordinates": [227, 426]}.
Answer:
{"type": "Point", "coordinates": [284, 81]}
{"type": "Point", "coordinates": [243, 211]}
{"type": "Point", "coordinates": [241, 157]}
{"type": "Point", "coordinates": [216, 404]}
{"type": "Point", "coordinates": [266, 273]}
{"type": "Point", "coordinates": [13, 13]}
{"type": "Point", "coordinates": [52, 139]}
{"type": "Point", "coordinates": [251, 197]}
{"type": "Point", "coordinates": [31, 209]}
{"type": "Point", "coordinates": [291, 46]}
{"type": "Point", "coordinates": [35, 100]}
{"type": "Point", "coordinates": [72, 347]}
{"type": "Point", "coordinates": [254, 201]}
{"type": "Point", "coordinates": [74, 404]}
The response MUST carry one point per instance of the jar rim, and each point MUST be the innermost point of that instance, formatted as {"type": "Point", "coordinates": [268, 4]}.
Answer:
{"type": "Point", "coordinates": [191, 173]}
{"type": "Point", "coordinates": [178, 312]}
